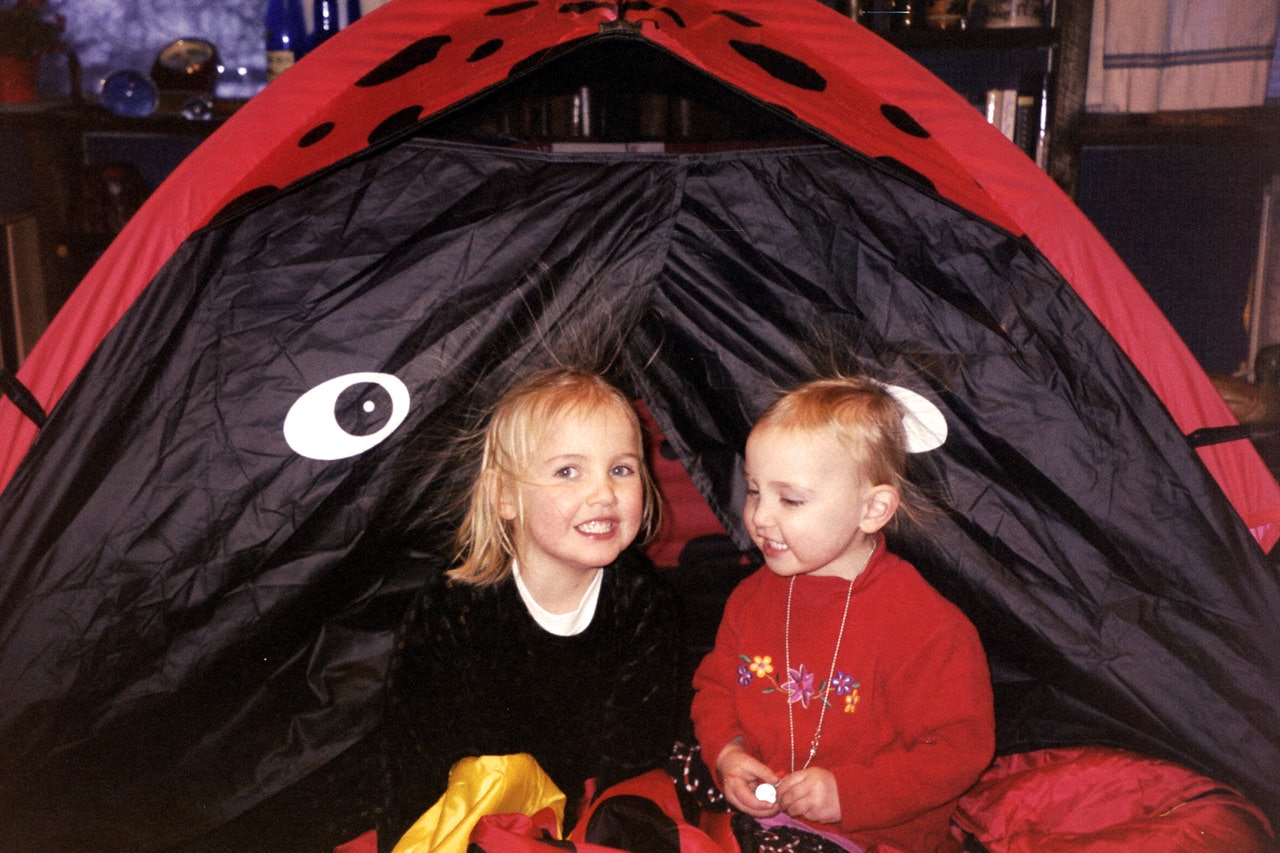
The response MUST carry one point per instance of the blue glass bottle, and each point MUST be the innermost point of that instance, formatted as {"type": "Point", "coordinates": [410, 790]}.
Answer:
{"type": "Point", "coordinates": [286, 35]}
{"type": "Point", "coordinates": [324, 21]}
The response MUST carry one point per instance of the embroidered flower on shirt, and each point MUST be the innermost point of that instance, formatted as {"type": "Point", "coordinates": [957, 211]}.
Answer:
{"type": "Point", "coordinates": [799, 686]}
{"type": "Point", "coordinates": [842, 683]}
{"type": "Point", "coordinates": [757, 666]}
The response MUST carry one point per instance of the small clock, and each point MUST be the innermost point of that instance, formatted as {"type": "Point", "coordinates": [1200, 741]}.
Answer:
{"type": "Point", "coordinates": [187, 65]}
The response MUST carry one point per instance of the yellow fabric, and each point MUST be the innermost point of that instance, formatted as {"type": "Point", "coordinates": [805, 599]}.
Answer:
{"type": "Point", "coordinates": [488, 784]}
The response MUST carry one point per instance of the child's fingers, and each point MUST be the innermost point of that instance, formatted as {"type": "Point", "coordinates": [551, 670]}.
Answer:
{"type": "Point", "coordinates": [812, 796]}
{"type": "Point", "coordinates": [766, 793]}
{"type": "Point", "coordinates": [741, 795]}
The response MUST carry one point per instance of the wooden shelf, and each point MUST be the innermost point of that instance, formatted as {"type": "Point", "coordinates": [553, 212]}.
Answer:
{"type": "Point", "coordinates": [68, 117]}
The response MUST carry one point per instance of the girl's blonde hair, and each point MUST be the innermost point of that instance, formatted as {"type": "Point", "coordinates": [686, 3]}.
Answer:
{"type": "Point", "coordinates": [485, 541]}
{"type": "Point", "coordinates": [862, 416]}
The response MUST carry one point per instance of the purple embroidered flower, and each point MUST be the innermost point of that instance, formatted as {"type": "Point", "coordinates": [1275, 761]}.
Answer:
{"type": "Point", "coordinates": [843, 683]}
{"type": "Point", "coordinates": [744, 675]}
{"type": "Point", "coordinates": [799, 686]}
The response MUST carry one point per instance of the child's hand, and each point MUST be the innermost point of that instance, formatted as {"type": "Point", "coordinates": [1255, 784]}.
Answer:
{"type": "Point", "coordinates": [810, 794]}
{"type": "Point", "coordinates": [739, 775]}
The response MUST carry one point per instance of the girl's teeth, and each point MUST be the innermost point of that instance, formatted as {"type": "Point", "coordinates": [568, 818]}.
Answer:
{"type": "Point", "coordinates": [596, 527]}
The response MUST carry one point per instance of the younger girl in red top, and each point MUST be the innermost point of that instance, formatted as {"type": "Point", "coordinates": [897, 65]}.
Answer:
{"type": "Point", "coordinates": [844, 694]}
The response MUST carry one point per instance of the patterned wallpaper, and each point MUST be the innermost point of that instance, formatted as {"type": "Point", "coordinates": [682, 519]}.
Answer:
{"type": "Point", "coordinates": [113, 35]}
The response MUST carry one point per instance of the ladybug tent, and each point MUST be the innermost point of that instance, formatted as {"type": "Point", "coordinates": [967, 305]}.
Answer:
{"type": "Point", "coordinates": [198, 599]}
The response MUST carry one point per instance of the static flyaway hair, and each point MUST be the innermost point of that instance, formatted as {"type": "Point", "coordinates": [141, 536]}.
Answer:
{"type": "Point", "coordinates": [485, 542]}
{"type": "Point", "coordinates": [862, 416]}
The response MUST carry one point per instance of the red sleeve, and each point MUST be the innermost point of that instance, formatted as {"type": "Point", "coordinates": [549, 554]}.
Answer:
{"type": "Point", "coordinates": [941, 697]}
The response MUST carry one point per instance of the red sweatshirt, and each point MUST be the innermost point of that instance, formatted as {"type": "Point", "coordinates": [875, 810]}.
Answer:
{"type": "Point", "coordinates": [910, 724]}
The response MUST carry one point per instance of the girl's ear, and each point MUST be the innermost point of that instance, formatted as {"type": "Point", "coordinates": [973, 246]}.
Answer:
{"type": "Point", "coordinates": [500, 492]}
{"type": "Point", "coordinates": [878, 506]}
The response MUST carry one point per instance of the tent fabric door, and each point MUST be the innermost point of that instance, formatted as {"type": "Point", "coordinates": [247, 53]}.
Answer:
{"type": "Point", "coordinates": [204, 579]}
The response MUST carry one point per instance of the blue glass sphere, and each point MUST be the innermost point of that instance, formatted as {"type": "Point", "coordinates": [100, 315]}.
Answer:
{"type": "Point", "coordinates": [130, 94]}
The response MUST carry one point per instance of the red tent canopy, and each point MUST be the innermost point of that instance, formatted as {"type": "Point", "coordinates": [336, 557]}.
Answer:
{"type": "Point", "coordinates": [411, 59]}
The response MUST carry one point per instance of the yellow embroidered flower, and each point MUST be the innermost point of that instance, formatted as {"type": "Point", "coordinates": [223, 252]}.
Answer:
{"type": "Point", "coordinates": [762, 665]}
{"type": "Point", "coordinates": [851, 702]}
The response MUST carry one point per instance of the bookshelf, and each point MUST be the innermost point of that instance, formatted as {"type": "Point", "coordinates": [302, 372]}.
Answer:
{"type": "Point", "coordinates": [1044, 67]}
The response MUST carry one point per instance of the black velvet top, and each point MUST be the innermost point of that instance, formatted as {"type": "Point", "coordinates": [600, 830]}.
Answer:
{"type": "Point", "coordinates": [474, 674]}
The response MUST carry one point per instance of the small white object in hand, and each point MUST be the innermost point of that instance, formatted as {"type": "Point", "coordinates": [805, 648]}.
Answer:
{"type": "Point", "coordinates": [766, 792]}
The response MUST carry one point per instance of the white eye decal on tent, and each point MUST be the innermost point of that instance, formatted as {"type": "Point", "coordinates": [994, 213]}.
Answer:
{"type": "Point", "coordinates": [924, 423]}
{"type": "Point", "coordinates": [325, 423]}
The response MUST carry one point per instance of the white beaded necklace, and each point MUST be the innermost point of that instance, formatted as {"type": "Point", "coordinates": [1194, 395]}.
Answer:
{"type": "Point", "coordinates": [786, 651]}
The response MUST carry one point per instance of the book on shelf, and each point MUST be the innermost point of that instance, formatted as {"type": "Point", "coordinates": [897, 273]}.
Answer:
{"type": "Point", "coordinates": [1020, 115]}
{"type": "Point", "coordinates": [1000, 109]}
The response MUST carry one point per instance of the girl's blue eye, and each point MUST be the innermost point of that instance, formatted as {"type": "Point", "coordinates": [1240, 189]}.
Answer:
{"type": "Point", "coordinates": [565, 472]}
{"type": "Point", "coordinates": [791, 502]}
{"type": "Point", "coordinates": [622, 470]}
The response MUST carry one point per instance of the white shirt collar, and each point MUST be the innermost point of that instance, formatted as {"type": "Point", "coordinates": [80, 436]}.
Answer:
{"type": "Point", "coordinates": [561, 624]}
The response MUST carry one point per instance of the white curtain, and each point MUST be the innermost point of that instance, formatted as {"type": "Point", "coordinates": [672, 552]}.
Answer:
{"type": "Point", "coordinates": [1150, 55]}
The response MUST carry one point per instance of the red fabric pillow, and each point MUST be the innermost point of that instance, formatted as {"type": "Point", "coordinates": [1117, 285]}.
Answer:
{"type": "Point", "coordinates": [1102, 800]}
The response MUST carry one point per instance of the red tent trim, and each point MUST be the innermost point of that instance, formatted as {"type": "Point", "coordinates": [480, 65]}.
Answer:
{"type": "Point", "coordinates": [425, 55]}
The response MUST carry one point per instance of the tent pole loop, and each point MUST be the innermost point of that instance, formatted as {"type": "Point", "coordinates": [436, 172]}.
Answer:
{"type": "Point", "coordinates": [22, 397]}
{"type": "Point", "coordinates": [1217, 435]}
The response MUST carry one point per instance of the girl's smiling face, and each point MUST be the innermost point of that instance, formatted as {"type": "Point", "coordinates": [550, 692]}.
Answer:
{"type": "Point", "coordinates": [809, 507]}
{"type": "Point", "coordinates": [580, 502]}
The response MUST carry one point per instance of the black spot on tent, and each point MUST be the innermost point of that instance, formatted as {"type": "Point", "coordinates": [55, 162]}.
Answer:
{"type": "Point", "coordinates": [577, 8]}
{"type": "Point", "coordinates": [903, 121]}
{"type": "Point", "coordinates": [737, 18]}
{"type": "Point", "coordinates": [672, 14]}
{"type": "Point", "coordinates": [416, 55]}
{"type": "Point", "coordinates": [780, 66]}
{"type": "Point", "coordinates": [485, 50]}
{"type": "Point", "coordinates": [315, 134]}
{"type": "Point", "coordinates": [395, 123]}
{"type": "Point", "coordinates": [511, 8]}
